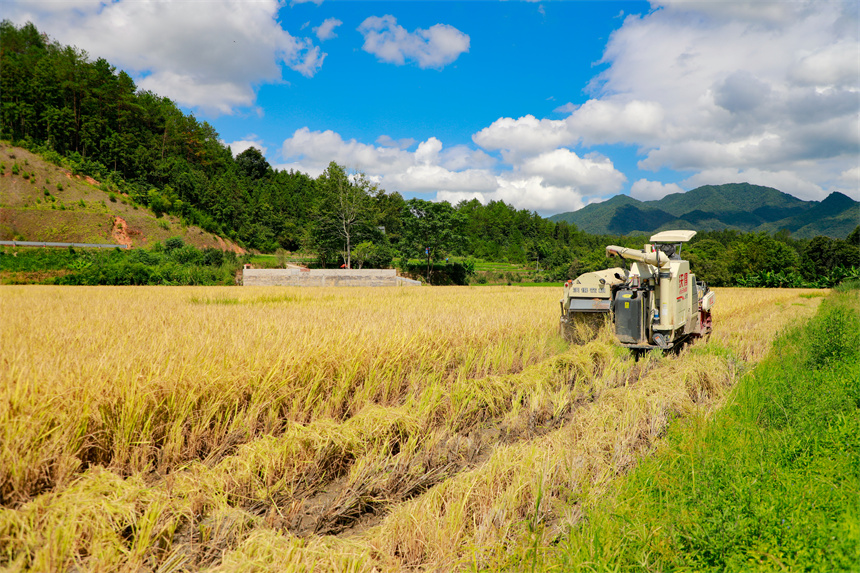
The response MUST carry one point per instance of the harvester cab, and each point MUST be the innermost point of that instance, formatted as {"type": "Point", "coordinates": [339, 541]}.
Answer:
{"type": "Point", "coordinates": [657, 303]}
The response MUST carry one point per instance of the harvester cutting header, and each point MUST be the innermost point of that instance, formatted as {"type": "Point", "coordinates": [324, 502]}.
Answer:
{"type": "Point", "coordinates": [656, 304]}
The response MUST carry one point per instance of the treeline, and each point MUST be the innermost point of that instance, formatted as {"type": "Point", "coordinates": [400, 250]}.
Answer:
{"type": "Point", "coordinates": [169, 263]}
{"type": "Point", "coordinates": [731, 258]}
{"type": "Point", "coordinates": [93, 119]}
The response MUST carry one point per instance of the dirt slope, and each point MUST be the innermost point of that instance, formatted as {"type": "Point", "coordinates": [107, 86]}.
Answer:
{"type": "Point", "coordinates": [51, 204]}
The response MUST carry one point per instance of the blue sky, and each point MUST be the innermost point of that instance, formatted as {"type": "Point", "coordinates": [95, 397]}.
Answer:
{"type": "Point", "coordinates": [522, 58]}
{"type": "Point", "coordinates": [546, 105]}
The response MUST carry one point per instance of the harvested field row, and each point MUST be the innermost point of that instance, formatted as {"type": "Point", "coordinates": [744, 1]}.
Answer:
{"type": "Point", "coordinates": [205, 428]}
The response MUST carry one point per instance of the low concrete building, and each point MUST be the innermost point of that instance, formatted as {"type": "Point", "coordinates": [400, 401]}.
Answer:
{"type": "Point", "coordinates": [324, 277]}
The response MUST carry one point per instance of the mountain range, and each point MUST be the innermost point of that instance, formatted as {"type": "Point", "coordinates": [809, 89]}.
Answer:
{"type": "Point", "coordinates": [737, 206]}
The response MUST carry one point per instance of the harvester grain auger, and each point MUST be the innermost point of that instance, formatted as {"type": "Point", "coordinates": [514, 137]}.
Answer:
{"type": "Point", "coordinates": [656, 304]}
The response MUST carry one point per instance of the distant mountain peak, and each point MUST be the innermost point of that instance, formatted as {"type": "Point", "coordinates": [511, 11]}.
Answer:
{"type": "Point", "coordinates": [739, 206]}
{"type": "Point", "coordinates": [838, 198]}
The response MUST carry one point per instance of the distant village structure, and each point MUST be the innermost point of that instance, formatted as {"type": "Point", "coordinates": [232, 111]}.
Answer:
{"type": "Point", "coordinates": [300, 276]}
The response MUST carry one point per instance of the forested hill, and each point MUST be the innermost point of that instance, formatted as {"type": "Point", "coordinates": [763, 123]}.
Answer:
{"type": "Point", "coordinates": [93, 120]}
{"type": "Point", "coordinates": [736, 206]}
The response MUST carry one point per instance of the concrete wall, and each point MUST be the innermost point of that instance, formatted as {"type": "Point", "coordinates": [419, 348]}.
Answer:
{"type": "Point", "coordinates": [324, 277]}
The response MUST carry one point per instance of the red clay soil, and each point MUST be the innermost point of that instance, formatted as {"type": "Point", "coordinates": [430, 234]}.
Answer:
{"type": "Point", "coordinates": [229, 246]}
{"type": "Point", "coordinates": [86, 178]}
{"type": "Point", "coordinates": [120, 232]}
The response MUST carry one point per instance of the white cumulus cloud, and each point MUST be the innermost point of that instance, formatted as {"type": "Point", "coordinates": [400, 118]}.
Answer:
{"type": "Point", "coordinates": [558, 180]}
{"type": "Point", "coordinates": [201, 54]}
{"type": "Point", "coordinates": [435, 47]}
{"type": "Point", "coordinates": [314, 150]}
{"type": "Point", "coordinates": [525, 135]}
{"type": "Point", "coordinates": [595, 122]}
{"type": "Point", "coordinates": [563, 168]}
{"type": "Point", "coordinates": [388, 141]}
{"type": "Point", "coordinates": [758, 89]}
{"type": "Point", "coordinates": [765, 92]}
{"type": "Point", "coordinates": [523, 193]}
{"type": "Point", "coordinates": [246, 143]}
{"type": "Point", "coordinates": [325, 31]}
{"type": "Point", "coordinates": [646, 190]}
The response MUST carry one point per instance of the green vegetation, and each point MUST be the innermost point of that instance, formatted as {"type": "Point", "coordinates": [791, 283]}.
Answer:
{"type": "Point", "coordinates": [771, 482]}
{"type": "Point", "coordinates": [173, 263]}
{"type": "Point", "coordinates": [728, 258]}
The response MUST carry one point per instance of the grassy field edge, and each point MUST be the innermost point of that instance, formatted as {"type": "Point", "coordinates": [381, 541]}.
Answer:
{"type": "Point", "coordinates": [770, 482]}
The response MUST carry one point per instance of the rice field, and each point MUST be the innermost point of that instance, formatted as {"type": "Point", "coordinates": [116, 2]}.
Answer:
{"type": "Point", "coordinates": [285, 429]}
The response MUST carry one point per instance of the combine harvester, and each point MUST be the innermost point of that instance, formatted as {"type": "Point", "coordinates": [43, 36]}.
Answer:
{"type": "Point", "coordinates": [656, 304]}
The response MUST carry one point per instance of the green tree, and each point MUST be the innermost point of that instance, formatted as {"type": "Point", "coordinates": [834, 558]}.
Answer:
{"type": "Point", "coordinates": [430, 230]}
{"type": "Point", "coordinates": [759, 252]}
{"type": "Point", "coordinates": [709, 261]}
{"type": "Point", "coordinates": [538, 250]}
{"type": "Point", "coordinates": [372, 255]}
{"type": "Point", "coordinates": [252, 163]}
{"type": "Point", "coordinates": [823, 254]}
{"type": "Point", "coordinates": [346, 211]}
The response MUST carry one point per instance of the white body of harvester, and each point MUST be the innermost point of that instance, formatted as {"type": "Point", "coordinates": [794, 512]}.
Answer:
{"type": "Point", "coordinates": [657, 303]}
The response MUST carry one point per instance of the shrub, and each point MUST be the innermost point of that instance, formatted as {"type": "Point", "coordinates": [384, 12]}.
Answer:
{"type": "Point", "coordinates": [14, 169]}
{"type": "Point", "coordinates": [52, 156]}
{"type": "Point", "coordinates": [59, 186]}
{"type": "Point", "coordinates": [213, 257]}
{"type": "Point", "coordinates": [173, 243]}
{"type": "Point", "coordinates": [833, 337]}
{"type": "Point", "coordinates": [187, 255]}
{"type": "Point", "coordinates": [112, 197]}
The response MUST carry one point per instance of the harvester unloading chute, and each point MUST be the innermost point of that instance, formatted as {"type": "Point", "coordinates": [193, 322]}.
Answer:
{"type": "Point", "coordinates": [657, 258]}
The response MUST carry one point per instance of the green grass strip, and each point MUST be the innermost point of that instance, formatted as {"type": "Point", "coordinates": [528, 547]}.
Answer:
{"type": "Point", "coordinates": [769, 483]}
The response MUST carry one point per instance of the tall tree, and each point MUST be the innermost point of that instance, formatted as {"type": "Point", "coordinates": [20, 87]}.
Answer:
{"type": "Point", "coordinates": [345, 212]}
{"type": "Point", "coordinates": [252, 163]}
{"type": "Point", "coordinates": [431, 230]}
